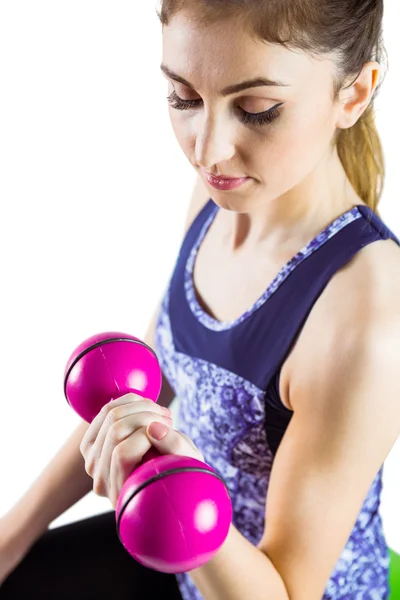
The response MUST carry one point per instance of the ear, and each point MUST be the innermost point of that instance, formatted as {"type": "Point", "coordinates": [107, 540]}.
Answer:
{"type": "Point", "coordinates": [356, 98]}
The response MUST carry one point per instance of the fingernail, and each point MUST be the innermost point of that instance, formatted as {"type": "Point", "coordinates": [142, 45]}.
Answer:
{"type": "Point", "coordinates": [158, 430]}
{"type": "Point", "coordinates": [165, 410]}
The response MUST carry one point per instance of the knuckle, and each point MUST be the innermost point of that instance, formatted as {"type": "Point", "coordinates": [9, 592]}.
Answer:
{"type": "Point", "coordinates": [105, 408]}
{"type": "Point", "coordinates": [112, 416]}
{"type": "Point", "coordinates": [82, 448]}
{"type": "Point", "coordinates": [89, 466]}
{"type": "Point", "coordinates": [116, 432]}
{"type": "Point", "coordinates": [98, 486]}
{"type": "Point", "coordinates": [119, 453]}
{"type": "Point", "coordinates": [154, 416]}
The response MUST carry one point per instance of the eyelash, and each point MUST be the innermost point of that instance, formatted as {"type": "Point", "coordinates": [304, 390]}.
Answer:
{"type": "Point", "coordinates": [262, 118]}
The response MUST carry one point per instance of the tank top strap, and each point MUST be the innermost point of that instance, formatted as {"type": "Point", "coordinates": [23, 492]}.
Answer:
{"type": "Point", "coordinates": [256, 346]}
{"type": "Point", "coordinates": [289, 308]}
{"type": "Point", "coordinates": [376, 223]}
{"type": "Point", "coordinates": [194, 230]}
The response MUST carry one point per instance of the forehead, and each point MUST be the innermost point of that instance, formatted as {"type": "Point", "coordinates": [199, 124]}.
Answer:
{"type": "Point", "coordinates": [224, 51]}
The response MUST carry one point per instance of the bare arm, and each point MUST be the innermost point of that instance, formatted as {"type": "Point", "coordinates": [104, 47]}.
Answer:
{"type": "Point", "coordinates": [64, 480]}
{"type": "Point", "coordinates": [345, 422]}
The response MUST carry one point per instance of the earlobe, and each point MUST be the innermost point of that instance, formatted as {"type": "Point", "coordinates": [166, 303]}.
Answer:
{"type": "Point", "coordinates": [357, 98]}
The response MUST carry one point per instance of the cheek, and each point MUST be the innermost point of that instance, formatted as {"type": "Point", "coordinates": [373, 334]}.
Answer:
{"type": "Point", "coordinates": [291, 151]}
{"type": "Point", "coordinates": [281, 154]}
{"type": "Point", "coordinates": [181, 128]}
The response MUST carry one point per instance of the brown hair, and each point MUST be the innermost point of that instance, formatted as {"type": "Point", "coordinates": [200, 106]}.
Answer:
{"type": "Point", "coordinates": [348, 30]}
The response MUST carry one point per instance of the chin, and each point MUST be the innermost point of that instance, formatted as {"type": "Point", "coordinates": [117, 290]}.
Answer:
{"type": "Point", "coordinates": [236, 202]}
{"type": "Point", "coordinates": [233, 200]}
{"type": "Point", "coordinates": [232, 204]}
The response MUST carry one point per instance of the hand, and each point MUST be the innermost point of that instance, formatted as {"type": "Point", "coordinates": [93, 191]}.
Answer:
{"type": "Point", "coordinates": [121, 434]}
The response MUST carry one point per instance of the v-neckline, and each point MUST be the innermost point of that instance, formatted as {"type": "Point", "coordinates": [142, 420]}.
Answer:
{"type": "Point", "coordinates": [212, 323]}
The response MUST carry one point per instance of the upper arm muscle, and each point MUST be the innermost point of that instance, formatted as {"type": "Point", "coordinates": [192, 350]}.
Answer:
{"type": "Point", "coordinates": [346, 420]}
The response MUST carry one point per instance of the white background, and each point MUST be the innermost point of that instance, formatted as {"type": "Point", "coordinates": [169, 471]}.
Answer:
{"type": "Point", "coordinates": [93, 194]}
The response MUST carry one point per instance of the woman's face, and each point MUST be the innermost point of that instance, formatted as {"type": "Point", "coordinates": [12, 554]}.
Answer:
{"type": "Point", "coordinates": [215, 133]}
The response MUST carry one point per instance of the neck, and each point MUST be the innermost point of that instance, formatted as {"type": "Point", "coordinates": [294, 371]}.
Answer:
{"type": "Point", "coordinates": [299, 214]}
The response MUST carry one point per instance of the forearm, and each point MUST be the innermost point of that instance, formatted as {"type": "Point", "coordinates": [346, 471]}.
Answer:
{"type": "Point", "coordinates": [61, 484]}
{"type": "Point", "coordinates": [64, 481]}
{"type": "Point", "coordinates": [239, 570]}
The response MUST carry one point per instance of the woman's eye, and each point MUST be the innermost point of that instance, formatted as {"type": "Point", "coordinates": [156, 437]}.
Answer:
{"type": "Point", "coordinates": [261, 118]}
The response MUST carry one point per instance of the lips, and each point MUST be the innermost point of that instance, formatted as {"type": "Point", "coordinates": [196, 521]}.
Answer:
{"type": "Point", "coordinates": [224, 177]}
{"type": "Point", "coordinates": [226, 184]}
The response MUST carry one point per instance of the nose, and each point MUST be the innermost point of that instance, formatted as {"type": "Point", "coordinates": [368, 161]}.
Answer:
{"type": "Point", "coordinates": [214, 141]}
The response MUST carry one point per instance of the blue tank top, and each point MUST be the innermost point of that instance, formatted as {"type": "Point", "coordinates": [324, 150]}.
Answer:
{"type": "Point", "coordinates": [226, 378]}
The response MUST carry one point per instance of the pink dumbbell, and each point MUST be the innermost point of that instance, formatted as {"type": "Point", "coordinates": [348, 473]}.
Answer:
{"type": "Point", "coordinates": [173, 512]}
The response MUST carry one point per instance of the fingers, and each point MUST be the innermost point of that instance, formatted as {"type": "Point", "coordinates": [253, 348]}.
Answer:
{"type": "Point", "coordinates": [120, 435]}
{"type": "Point", "coordinates": [113, 411]}
{"type": "Point", "coordinates": [125, 444]}
{"type": "Point", "coordinates": [124, 460]}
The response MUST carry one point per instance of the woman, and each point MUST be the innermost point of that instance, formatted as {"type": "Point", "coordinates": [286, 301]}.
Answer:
{"type": "Point", "coordinates": [279, 331]}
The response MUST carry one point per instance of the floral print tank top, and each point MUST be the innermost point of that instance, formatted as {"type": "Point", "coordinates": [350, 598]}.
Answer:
{"type": "Point", "coordinates": [226, 379]}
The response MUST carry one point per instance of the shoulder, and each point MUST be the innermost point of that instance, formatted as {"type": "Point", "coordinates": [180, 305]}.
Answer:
{"type": "Point", "coordinates": [359, 308]}
{"type": "Point", "coordinates": [367, 287]}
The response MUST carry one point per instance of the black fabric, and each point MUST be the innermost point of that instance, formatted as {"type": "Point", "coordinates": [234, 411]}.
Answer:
{"type": "Point", "coordinates": [85, 560]}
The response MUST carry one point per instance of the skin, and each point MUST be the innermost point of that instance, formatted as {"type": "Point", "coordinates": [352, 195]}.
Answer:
{"type": "Point", "coordinates": [296, 178]}
{"type": "Point", "coordinates": [328, 457]}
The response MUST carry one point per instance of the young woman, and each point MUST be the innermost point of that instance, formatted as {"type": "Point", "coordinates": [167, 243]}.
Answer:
{"type": "Point", "coordinates": [280, 328]}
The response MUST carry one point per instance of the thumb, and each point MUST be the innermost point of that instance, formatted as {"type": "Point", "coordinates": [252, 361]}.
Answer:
{"type": "Point", "coordinates": [162, 438]}
{"type": "Point", "coordinates": [169, 441]}
{"type": "Point", "coordinates": [157, 431]}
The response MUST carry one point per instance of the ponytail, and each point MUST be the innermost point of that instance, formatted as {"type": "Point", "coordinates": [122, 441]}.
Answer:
{"type": "Point", "coordinates": [361, 153]}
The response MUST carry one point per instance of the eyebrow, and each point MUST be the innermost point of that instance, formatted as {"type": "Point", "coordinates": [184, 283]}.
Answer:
{"type": "Point", "coordinates": [231, 89]}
